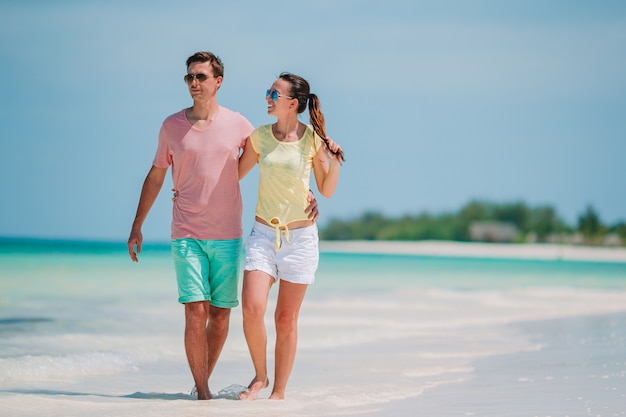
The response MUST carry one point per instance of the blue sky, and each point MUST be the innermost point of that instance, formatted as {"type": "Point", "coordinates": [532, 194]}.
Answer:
{"type": "Point", "coordinates": [435, 103]}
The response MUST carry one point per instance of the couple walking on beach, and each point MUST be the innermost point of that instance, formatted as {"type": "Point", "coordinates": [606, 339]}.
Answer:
{"type": "Point", "coordinates": [210, 148]}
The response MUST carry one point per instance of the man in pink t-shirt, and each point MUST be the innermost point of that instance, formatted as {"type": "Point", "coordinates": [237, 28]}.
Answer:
{"type": "Point", "coordinates": [202, 144]}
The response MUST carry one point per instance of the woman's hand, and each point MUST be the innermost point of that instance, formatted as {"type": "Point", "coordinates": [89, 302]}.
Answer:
{"type": "Point", "coordinates": [333, 149]}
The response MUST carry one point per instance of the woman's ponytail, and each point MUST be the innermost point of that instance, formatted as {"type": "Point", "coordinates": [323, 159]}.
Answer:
{"type": "Point", "coordinates": [318, 122]}
{"type": "Point", "coordinates": [301, 90]}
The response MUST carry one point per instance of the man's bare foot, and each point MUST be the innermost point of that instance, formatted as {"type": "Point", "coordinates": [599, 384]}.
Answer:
{"type": "Point", "coordinates": [205, 396]}
{"type": "Point", "coordinates": [208, 397]}
{"type": "Point", "coordinates": [200, 396]}
{"type": "Point", "coordinates": [253, 389]}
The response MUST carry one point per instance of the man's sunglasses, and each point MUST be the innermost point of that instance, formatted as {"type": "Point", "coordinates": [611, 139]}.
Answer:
{"type": "Point", "coordinates": [200, 77]}
{"type": "Point", "coordinates": [273, 94]}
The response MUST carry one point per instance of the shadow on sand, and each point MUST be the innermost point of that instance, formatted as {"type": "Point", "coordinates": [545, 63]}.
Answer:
{"type": "Point", "coordinates": [229, 393]}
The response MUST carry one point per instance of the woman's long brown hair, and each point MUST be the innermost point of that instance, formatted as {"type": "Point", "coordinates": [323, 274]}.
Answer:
{"type": "Point", "coordinates": [301, 90]}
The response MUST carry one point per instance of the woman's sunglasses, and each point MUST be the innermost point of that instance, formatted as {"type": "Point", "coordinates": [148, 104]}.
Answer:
{"type": "Point", "coordinates": [273, 94]}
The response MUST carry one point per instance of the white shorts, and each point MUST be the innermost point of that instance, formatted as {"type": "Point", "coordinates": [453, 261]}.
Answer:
{"type": "Point", "coordinates": [296, 259]}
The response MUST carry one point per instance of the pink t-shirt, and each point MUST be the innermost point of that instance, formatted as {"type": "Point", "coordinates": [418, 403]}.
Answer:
{"type": "Point", "coordinates": [204, 172]}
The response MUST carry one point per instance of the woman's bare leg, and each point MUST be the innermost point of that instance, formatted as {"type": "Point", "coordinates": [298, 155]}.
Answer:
{"type": "Point", "coordinates": [290, 298]}
{"type": "Point", "coordinates": [255, 291]}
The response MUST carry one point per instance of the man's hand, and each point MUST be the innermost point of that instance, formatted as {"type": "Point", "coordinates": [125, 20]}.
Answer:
{"type": "Point", "coordinates": [312, 208]}
{"type": "Point", "coordinates": [135, 239]}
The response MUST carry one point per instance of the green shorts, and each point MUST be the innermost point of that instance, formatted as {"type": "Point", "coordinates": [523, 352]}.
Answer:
{"type": "Point", "coordinates": [207, 270]}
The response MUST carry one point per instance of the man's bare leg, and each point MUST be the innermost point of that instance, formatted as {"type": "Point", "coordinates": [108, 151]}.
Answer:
{"type": "Point", "coordinates": [256, 287]}
{"type": "Point", "coordinates": [216, 333]}
{"type": "Point", "coordinates": [288, 305]}
{"type": "Point", "coordinates": [196, 346]}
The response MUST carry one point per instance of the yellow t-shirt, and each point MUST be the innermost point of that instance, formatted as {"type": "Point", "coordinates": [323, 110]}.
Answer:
{"type": "Point", "coordinates": [284, 174]}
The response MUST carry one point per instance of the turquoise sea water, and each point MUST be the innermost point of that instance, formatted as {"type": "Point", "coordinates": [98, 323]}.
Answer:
{"type": "Point", "coordinates": [82, 328]}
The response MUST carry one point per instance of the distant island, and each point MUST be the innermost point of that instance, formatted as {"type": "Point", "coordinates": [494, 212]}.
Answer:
{"type": "Point", "coordinates": [482, 221]}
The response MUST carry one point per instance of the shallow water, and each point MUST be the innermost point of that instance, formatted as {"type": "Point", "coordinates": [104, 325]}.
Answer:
{"type": "Point", "coordinates": [84, 330]}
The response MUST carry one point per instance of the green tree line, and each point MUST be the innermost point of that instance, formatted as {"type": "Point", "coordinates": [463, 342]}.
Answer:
{"type": "Point", "coordinates": [543, 223]}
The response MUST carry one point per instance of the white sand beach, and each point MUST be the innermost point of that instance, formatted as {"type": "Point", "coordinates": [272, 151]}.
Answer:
{"type": "Point", "coordinates": [480, 250]}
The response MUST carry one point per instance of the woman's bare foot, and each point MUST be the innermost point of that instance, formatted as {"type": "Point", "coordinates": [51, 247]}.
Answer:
{"type": "Point", "coordinates": [253, 389]}
{"type": "Point", "coordinates": [277, 396]}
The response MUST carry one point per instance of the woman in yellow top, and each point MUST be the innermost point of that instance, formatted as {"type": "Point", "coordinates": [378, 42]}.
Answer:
{"type": "Point", "coordinates": [283, 244]}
